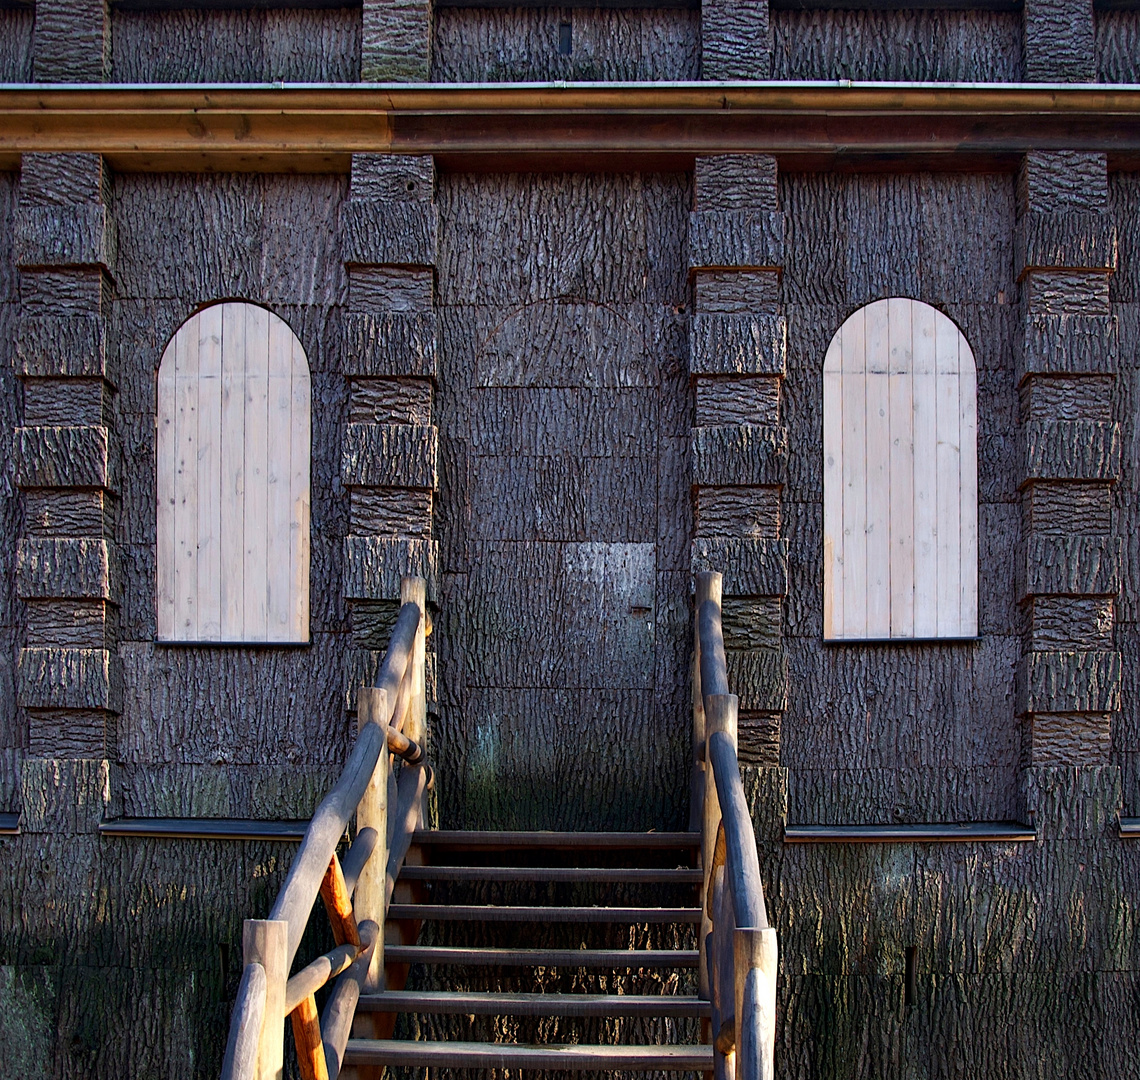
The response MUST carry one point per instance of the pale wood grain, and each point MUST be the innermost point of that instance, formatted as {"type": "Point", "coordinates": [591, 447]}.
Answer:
{"type": "Point", "coordinates": [233, 457]}
{"type": "Point", "coordinates": [925, 514]}
{"type": "Point", "coordinates": [878, 476]}
{"type": "Point", "coordinates": [208, 475]}
{"type": "Point", "coordinates": [255, 553]}
{"type": "Point", "coordinates": [166, 452]}
{"type": "Point", "coordinates": [186, 483]}
{"type": "Point", "coordinates": [900, 477]}
{"type": "Point", "coordinates": [233, 472]}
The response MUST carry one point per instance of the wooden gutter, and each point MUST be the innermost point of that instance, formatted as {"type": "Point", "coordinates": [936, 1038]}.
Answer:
{"type": "Point", "coordinates": [315, 128]}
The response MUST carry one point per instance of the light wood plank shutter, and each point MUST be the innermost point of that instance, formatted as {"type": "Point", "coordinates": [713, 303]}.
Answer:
{"type": "Point", "coordinates": [233, 450]}
{"type": "Point", "coordinates": [900, 477]}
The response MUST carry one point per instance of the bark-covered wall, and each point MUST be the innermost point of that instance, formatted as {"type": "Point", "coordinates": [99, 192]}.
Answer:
{"type": "Point", "coordinates": [880, 733]}
{"type": "Point", "coordinates": [564, 507]}
{"type": "Point", "coordinates": [580, 44]}
{"type": "Point", "coordinates": [16, 45]}
{"type": "Point", "coordinates": [1124, 200]}
{"type": "Point", "coordinates": [13, 727]}
{"type": "Point", "coordinates": [1117, 46]}
{"type": "Point", "coordinates": [919, 46]}
{"type": "Point", "coordinates": [281, 44]}
{"type": "Point", "coordinates": [193, 719]}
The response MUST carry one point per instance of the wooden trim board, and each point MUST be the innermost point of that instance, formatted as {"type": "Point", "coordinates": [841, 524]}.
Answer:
{"type": "Point", "coordinates": [1004, 831]}
{"type": "Point", "coordinates": [313, 128]}
{"type": "Point", "coordinates": [205, 828]}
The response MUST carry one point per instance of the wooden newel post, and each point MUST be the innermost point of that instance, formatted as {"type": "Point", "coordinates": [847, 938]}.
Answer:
{"type": "Point", "coordinates": [708, 587]}
{"type": "Point", "coordinates": [266, 942]}
{"type": "Point", "coordinates": [413, 590]}
{"type": "Point", "coordinates": [372, 813]}
{"type": "Point", "coordinates": [719, 715]}
{"type": "Point", "coordinates": [756, 960]}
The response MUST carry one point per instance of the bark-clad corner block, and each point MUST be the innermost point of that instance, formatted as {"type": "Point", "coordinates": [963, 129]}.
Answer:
{"type": "Point", "coordinates": [1070, 240]}
{"type": "Point", "coordinates": [396, 41]}
{"type": "Point", "coordinates": [392, 177]}
{"type": "Point", "coordinates": [1057, 181]}
{"type": "Point", "coordinates": [735, 182]}
{"type": "Point", "coordinates": [738, 345]}
{"type": "Point", "coordinates": [373, 566]}
{"type": "Point", "coordinates": [69, 679]}
{"type": "Point", "coordinates": [1072, 565]}
{"type": "Point", "coordinates": [67, 798]}
{"type": "Point", "coordinates": [390, 455]}
{"type": "Point", "coordinates": [1068, 738]}
{"type": "Point", "coordinates": [390, 345]}
{"type": "Point", "coordinates": [1072, 803]}
{"type": "Point", "coordinates": [73, 569]}
{"type": "Point", "coordinates": [72, 41]}
{"type": "Point", "coordinates": [736, 41]}
{"type": "Point", "coordinates": [1066, 292]}
{"type": "Point", "coordinates": [759, 677]}
{"type": "Point", "coordinates": [1068, 344]}
{"type": "Point", "coordinates": [81, 235]}
{"type": "Point", "coordinates": [751, 567]}
{"type": "Point", "coordinates": [388, 234]}
{"type": "Point", "coordinates": [1072, 450]}
{"type": "Point", "coordinates": [63, 457]}
{"type": "Point", "coordinates": [1060, 41]}
{"type": "Point", "coordinates": [728, 238]}
{"type": "Point", "coordinates": [1070, 682]}
{"type": "Point", "coordinates": [739, 454]}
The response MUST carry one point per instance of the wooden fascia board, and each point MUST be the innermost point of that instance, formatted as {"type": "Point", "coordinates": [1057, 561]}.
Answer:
{"type": "Point", "coordinates": [317, 128]}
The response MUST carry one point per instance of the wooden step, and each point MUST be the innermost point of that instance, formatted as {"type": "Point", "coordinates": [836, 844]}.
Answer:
{"type": "Point", "coordinates": [587, 874]}
{"type": "Point", "coordinates": [500, 1004]}
{"type": "Point", "coordinates": [617, 959]}
{"type": "Point", "coordinates": [506, 913]}
{"type": "Point", "coordinates": [470, 1055]}
{"type": "Point", "coordinates": [463, 839]}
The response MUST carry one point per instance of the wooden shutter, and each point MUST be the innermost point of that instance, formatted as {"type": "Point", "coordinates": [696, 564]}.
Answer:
{"type": "Point", "coordinates": [900, 477]}
{"type": "Point", "coordinates": [233, 445]}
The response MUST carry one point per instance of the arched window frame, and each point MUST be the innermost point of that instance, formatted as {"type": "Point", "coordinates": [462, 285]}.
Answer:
{"type": "Point", "coordinates": [233, 459]}
{"type": "Point", "coordinates": [901, 512]}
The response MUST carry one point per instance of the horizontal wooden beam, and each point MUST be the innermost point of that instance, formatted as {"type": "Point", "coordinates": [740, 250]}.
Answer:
{"type": "Point", "coordinates": [1005, 831]}
{"type": "Point", "coordinates": [575, 125]}
{"type": "Point", "coordinates": [205, 828]}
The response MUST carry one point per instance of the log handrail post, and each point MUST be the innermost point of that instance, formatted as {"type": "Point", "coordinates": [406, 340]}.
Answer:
{"type": "Point", "coordinates": [372, 813]}
{"type": "Point", "coordinates": [708, 587]}
{"type": "Point", "coordinates": [413, 590]}
{"type": "Point", "coordinates": [719, 715]}
{"type": "Point", "coordinates": [266, 942]}
{"type": "Point", "coordinates": [756, 959]}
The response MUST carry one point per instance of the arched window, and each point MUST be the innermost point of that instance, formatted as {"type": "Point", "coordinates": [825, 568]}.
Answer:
{"type": "Point", "coordinates": [900, 477]}
{"type": "Point", "coordinates": [233, 446]}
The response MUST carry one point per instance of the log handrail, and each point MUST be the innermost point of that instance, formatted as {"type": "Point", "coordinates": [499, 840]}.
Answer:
{"type": "Point", "coordinates": [738, 954]}
{"type": "Point", "coordinates": [357, 893]}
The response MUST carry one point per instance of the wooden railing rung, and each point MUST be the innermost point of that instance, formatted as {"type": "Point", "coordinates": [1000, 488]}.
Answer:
{"type": "Point", "coordinates": [307, 1035]}
{"type": "Point", "coordinates": [356, 895]}
{"type": "Point", "coordinates": [739, 954]}
{"type": "Point", "coordinates": [338, 904]}
{"type": "Point", "coordinates": [315, 975]}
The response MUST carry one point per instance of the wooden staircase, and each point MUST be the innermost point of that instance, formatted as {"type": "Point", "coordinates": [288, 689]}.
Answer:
{"type": "Point", "coordinates": [542, 950]}
{"type": "Point", "coordinates": [564, 952]}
